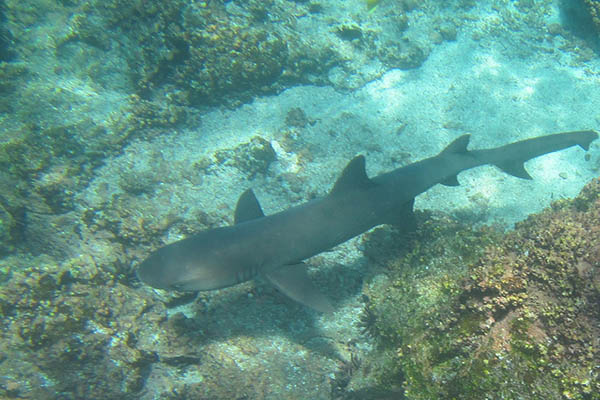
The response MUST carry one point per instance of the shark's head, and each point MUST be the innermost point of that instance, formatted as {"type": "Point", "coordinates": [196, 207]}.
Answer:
{"type": "Point", "coordinates": [190, 264]}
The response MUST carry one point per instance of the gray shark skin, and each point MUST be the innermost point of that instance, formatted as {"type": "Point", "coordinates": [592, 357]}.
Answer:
{"type": "Point", "coordinates": [275, 245]}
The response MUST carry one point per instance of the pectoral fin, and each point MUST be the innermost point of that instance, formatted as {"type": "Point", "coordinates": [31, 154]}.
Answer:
{"type": "Point", "coordinates": [293, 281]}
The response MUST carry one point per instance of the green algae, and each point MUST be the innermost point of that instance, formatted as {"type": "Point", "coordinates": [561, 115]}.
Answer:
{"type": "Point", "coordinates": [473, 314]}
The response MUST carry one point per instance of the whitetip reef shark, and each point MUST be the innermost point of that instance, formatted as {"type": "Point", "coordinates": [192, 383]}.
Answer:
{"type": "Point", "coordinates": [274, 246]}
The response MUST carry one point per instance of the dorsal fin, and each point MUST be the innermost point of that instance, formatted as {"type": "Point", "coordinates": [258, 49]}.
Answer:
{"type": "Point", "coordinates": [247, 208]}
{"type": "Point", "coordinates": [459, 145]}
{"type": "Point", "coordinates": [353, 176]}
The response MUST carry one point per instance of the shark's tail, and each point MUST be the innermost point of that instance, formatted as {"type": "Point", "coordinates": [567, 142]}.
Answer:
{"type": "Point", "coordinates": [511, 157]}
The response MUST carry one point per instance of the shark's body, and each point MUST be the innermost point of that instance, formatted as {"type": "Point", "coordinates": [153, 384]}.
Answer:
{"type": "Point", "coordinates": [275, 245]}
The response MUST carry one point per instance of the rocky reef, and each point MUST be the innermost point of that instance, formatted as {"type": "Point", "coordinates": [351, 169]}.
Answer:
{"type": "Point", "coordinates": [462, 313]}
{"type": "Point", "coordinates": [213, 52]}
{"type": "Point", "coordinates": [79, 329]}
{"type": "Point", "coordinates": [471, 314]}
{"type": "Point", "coordinates": [79, 326]}
{"type": "Point", "coordinates": [593, 7]}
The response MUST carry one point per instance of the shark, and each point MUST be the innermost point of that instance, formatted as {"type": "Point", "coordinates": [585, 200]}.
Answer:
{"type": "Point", "coordinates": [275, 246]}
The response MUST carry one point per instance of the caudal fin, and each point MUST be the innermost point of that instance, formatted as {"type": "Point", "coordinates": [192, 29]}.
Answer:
{"type": "Point", "coordinates": [586, 138]}
{"type": "Point", "coordinates": [511, 158]}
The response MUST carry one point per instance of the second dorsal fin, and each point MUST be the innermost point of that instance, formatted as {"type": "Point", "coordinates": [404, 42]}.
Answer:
{"type": "Point", "coordinates": [514, 168]}
{"type": "Point", "coordinates": [353, 176]}
{"type": "Point", "coordinates": [247, 208]}
{"type": "Point", "coordinates": [459, 145]}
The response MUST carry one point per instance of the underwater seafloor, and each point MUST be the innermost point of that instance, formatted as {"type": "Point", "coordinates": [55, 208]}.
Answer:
{"type": "Point", "coordinates": [126, 125]}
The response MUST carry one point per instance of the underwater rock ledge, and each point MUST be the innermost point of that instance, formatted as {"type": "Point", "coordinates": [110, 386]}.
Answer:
{"type": "Point", "coordinates": [518, 317]}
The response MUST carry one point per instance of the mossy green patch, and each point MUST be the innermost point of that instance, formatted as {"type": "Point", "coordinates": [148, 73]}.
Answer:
{"type": "Point", "coordinates": [11, 76]}
{"type": "Point", "coordinates": [470, 314]}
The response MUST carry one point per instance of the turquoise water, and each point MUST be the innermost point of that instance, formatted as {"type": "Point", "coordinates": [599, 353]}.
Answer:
{"type": "Point", "coordinates": [128, 125]}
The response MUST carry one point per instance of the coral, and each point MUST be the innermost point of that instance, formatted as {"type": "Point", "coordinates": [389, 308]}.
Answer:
{"type": "Point", "coordinates": [195, 54]}
{"type": "Point", "coordinates": [520, 320]}
{"type": "Point", "coordinates": [129, 219]}
{"type": "Point", "coordinates": [139, 220]}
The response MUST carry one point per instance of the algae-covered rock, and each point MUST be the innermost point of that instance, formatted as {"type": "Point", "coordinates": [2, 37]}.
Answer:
{"type": "Point", "coordinates": [251, 158]}
{"type": "Point", "coordinates": [521, 320]}
{"type": "Point", "coordinates": [228, 61]}
{"type": "Point", "coordinates": [405, 54]}
{"type": "Point", "coordinates": [42, 170]}
{"type": "Point", "coordinates": [593, 7]}
{"type": "Point", "coordinates": [45, 165]}
{"type": "Point", "coordinates": [200, 54]}
{"type": "Point", "coordinates": [80, 329]}
{"type": "Point", "coordinates": [73, 327]}
{"type": "Point", "coordinates": [296, 117]}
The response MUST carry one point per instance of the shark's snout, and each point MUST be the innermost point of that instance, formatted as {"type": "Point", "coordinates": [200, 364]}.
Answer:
{"type": "Point", "coordinates": [175, 268]}
{"type": "Point", "coordinates": [153, 273]}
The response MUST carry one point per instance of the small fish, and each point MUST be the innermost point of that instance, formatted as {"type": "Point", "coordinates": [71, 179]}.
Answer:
{"type": "Point", "coordinates": [274, 246]}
